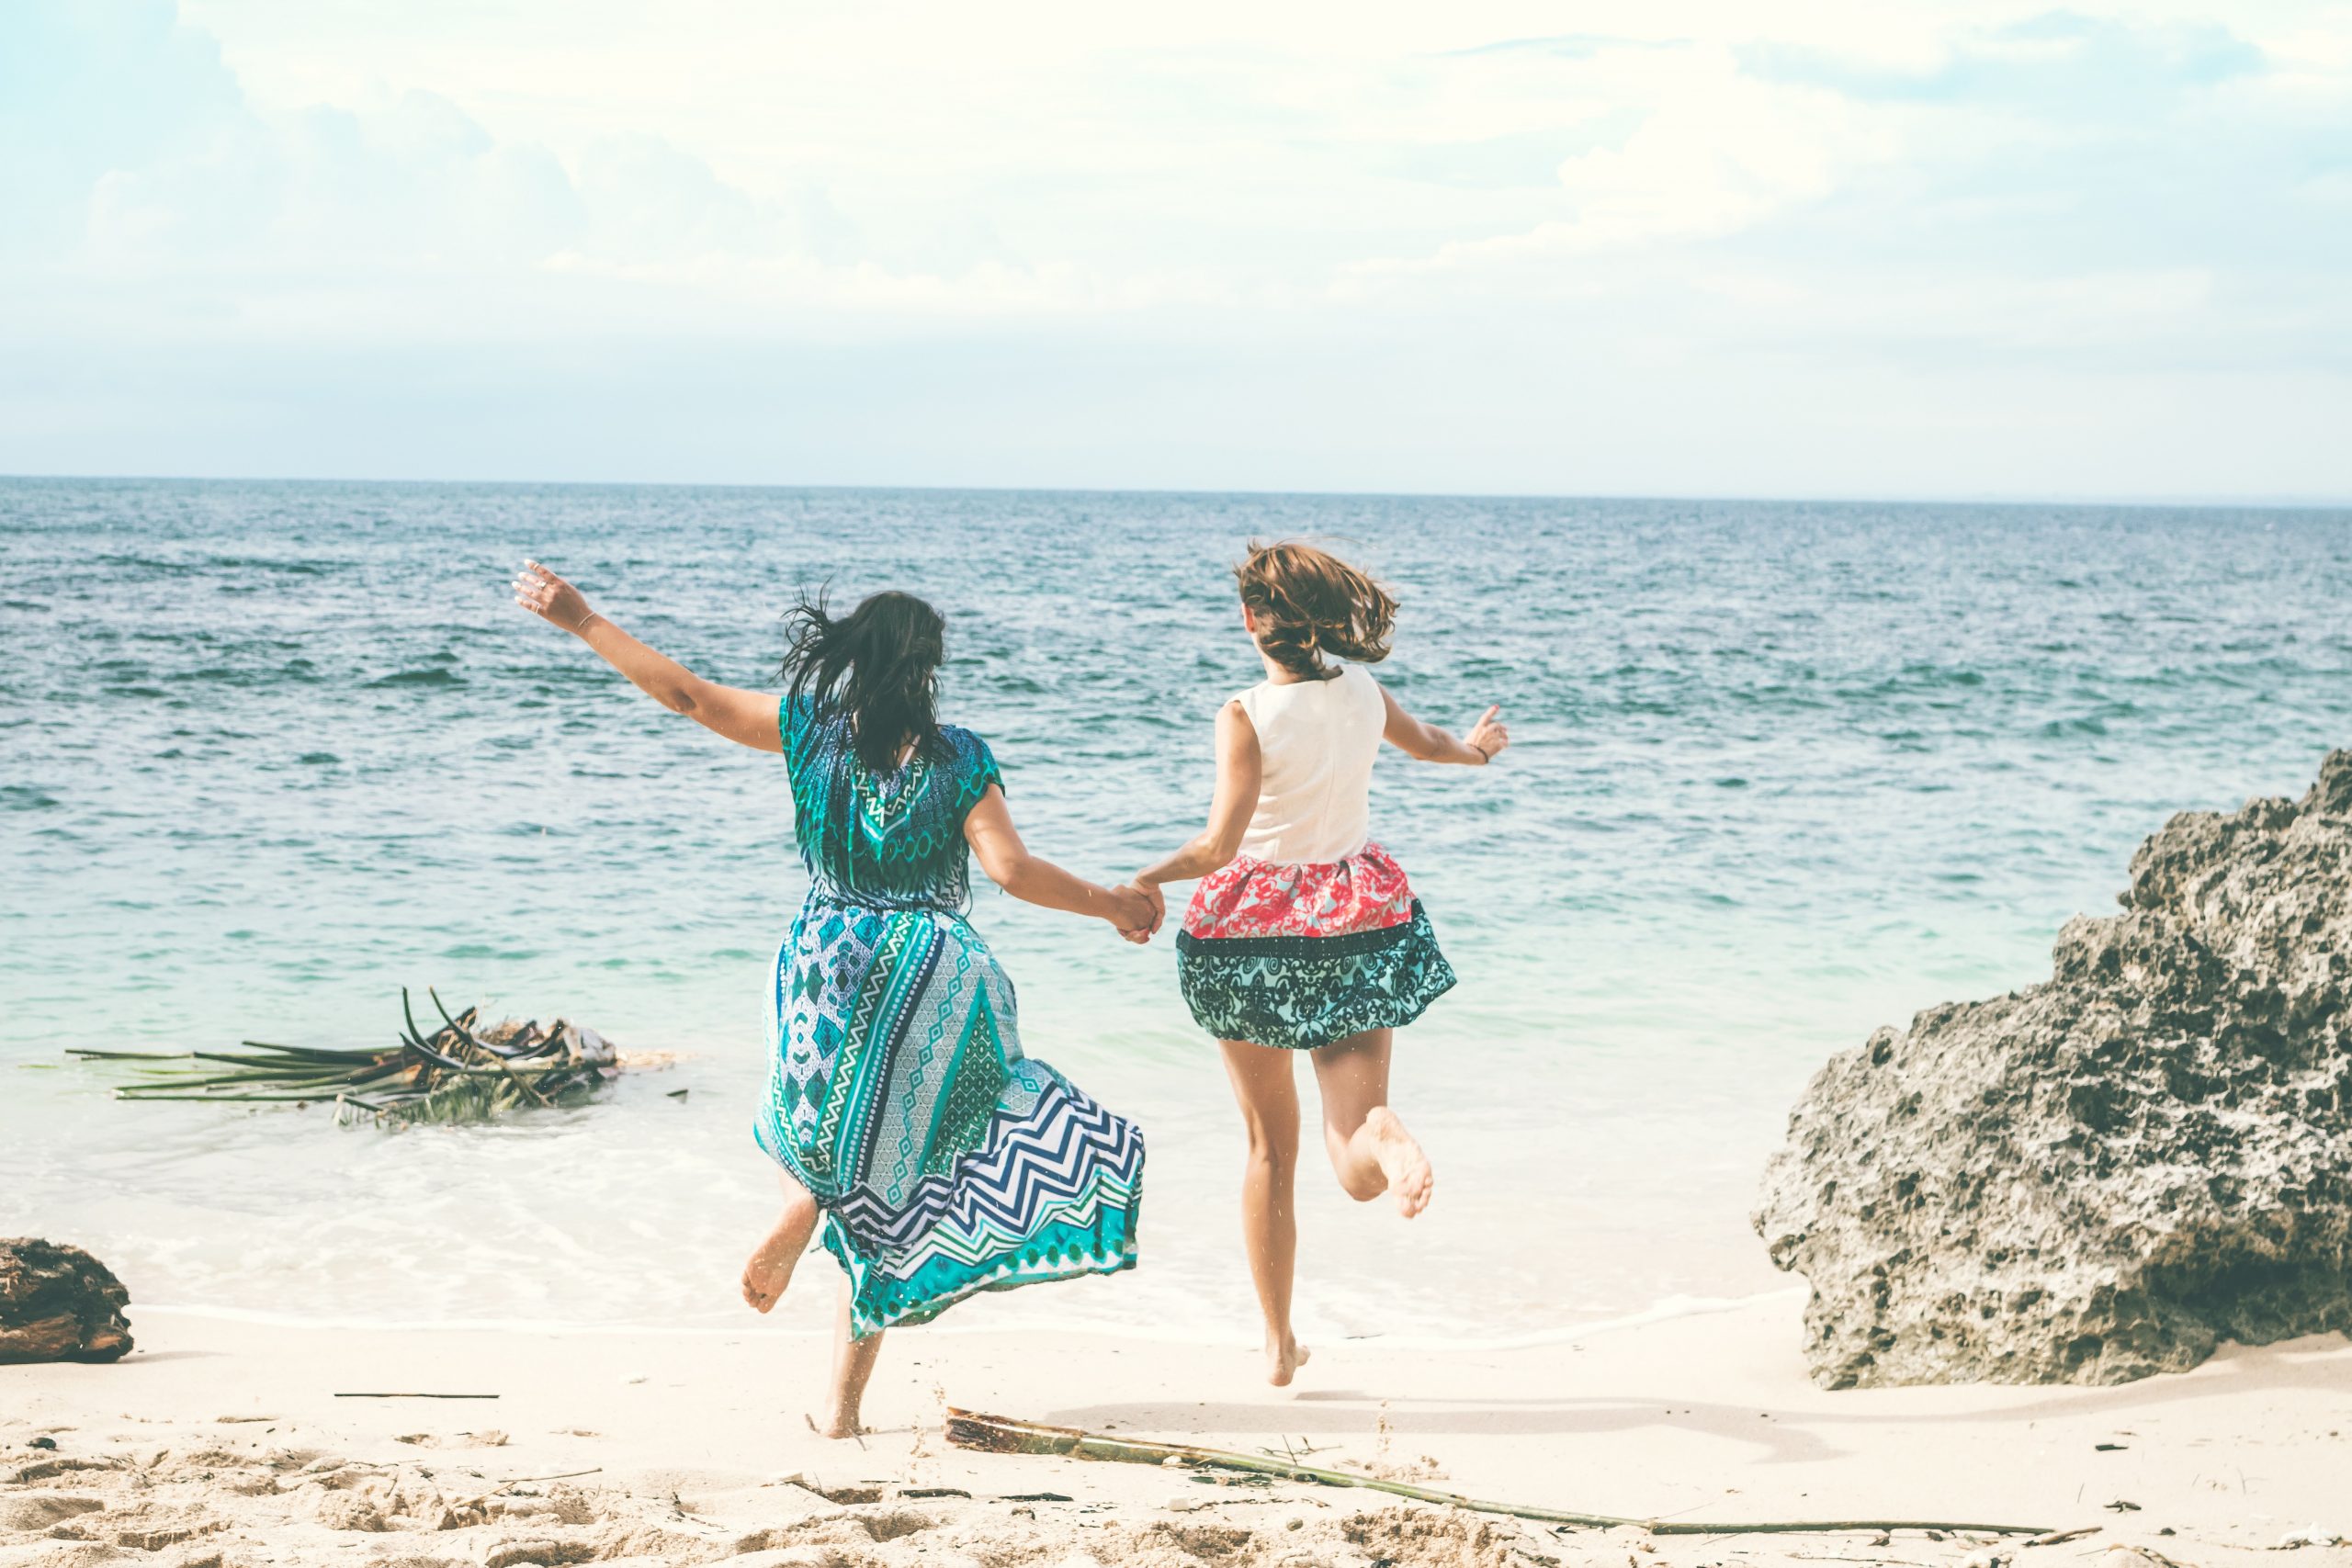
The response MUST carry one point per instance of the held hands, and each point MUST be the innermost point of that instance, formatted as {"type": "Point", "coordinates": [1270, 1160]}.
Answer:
{"type": "Point", "coordinates": [1136, 909]}
{"type": "Point", "coordinates": [550, 598]}
{"type": "Point", "coordinates": [1488, 736]}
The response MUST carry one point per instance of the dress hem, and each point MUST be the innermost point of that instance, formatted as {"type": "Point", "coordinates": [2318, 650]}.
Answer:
{"type": "Point", "coordinates": [1304, 993]}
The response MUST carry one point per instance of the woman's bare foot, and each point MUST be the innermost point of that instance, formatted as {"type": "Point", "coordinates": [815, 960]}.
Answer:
{"type": "Point", "coordinates": [1283, 1359]}
{"type": "Point", "coordinates": [772, 1262]}
{"type": "Point", "coordinates": [1410, 1181]}
{"type": "Point", "coordinates": [836, 1426]}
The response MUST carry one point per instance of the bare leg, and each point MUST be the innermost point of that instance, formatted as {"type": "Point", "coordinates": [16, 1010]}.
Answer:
{"type": "Point", "coordinates": [852, 1365]}
{"type": "Point", "coordinates": [1369, 1149]}
{"type": "Point", "coordinates": [1267, 1095]}
{"type": "Point", "coordinates": [770, 1270]}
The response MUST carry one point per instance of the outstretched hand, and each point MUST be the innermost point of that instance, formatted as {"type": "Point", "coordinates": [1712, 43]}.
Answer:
{"type": "Point", "coordinates": [1489, 735]}
{"type": "Point", "coordinates": [550, 598]}
{"type": "Point", "coordinates": [1138, 909]}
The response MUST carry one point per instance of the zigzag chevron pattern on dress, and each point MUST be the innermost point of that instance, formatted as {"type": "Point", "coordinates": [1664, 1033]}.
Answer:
{"type": "Point", "coordinates": [1026, 1165]}
{"type": "Point", "coordinates": [974, 1247]}
{"type": "Point", "coordinates": [1053, 1195]}
{"type": "Point", "coordinates": [1047, 1155]}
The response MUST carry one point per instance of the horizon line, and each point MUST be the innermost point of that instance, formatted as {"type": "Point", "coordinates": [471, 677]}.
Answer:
{"type": "Point", "coordinates": [2046, 498]}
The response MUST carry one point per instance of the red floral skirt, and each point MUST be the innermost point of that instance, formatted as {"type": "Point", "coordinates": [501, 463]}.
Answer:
{"type": "Point", "coordinates": [1305, 955]}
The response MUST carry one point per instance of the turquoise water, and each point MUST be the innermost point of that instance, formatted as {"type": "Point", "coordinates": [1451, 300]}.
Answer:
{"type": "Point", "coordinates": [1782, 773]}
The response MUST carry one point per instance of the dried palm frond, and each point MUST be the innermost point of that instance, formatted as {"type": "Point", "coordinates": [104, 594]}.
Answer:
{"type": "Point", "coordinates": [463, 1071]}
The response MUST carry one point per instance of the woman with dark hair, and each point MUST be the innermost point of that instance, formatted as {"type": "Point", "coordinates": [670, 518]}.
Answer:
{"type": "Point", "coordinates": [1303, 935]}
{"type": "Point", "coordinates": [940, 1159]}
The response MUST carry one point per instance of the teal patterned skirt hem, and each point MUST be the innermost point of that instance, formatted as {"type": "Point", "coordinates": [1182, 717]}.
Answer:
{"type": "Point", "coordinates": [1055, 1249]}
{"type": "Point", "coordinates": [1300, 993]}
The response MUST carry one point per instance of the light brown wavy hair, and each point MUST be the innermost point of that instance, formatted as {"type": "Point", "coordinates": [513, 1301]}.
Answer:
{"type": "Point", "coordinates": [1308, 603]}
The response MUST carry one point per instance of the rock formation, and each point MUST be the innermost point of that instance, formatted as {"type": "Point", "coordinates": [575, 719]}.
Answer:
{"type": "Point", "coordinates": [59, 1303]}
{"type": "Point", "coordinates": [2106, 1175]}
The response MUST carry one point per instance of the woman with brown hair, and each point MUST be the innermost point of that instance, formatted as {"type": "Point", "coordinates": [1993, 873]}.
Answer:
{"type": "Point", "coordinates": [1303, 935]}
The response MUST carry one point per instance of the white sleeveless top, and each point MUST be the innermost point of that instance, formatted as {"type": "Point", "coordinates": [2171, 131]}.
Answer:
{"type": "Point", "coordinates": [1318, 741]}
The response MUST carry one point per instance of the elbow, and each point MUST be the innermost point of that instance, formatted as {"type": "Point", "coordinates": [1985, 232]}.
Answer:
{"type": "Point", "coordinates": [677, 699]}
{"type": "Point", "coordinates": [1011, 874]}
{"type": "Point", "coordinates": [1216, 851]}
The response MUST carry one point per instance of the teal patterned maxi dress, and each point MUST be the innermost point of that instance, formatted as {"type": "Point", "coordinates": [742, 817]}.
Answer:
{"type": "Point", "coordinates": [947, 1162]}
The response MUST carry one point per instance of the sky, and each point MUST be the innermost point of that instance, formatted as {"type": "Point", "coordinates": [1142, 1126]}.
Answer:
{"type": "Point", "coordinates": [1895, 248]}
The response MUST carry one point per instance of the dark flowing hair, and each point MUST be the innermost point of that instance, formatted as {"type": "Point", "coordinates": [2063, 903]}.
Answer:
{"type": "Point", "coordinates": [1308, 603]}
{"type": "Point", "coordinates": [879, 664]}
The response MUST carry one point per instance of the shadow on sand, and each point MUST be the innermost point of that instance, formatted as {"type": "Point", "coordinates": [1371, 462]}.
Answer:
{"type": "Point", "coordinates": [1787, 1435]}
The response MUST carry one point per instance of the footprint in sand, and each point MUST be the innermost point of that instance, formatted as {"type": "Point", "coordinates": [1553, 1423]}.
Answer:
{"type": "Point", "coordinates": [39, 1512]}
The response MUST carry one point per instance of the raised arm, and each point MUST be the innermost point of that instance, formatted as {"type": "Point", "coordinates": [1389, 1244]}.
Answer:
{"type": "Point", "coordinates": [1428, 743]}
{"type": "Point", "coordinates": [997, 845]}
{"type": "Point", "coordinates": [748, 719]}
{"type": "Point", "coordinates": [1240, 768]}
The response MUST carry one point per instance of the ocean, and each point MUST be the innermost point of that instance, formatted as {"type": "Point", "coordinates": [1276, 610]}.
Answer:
{"type": "Point", "coordinates": [1782, 773]}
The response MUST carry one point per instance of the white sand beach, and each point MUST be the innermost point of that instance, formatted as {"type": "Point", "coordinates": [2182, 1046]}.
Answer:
{"type": "Point", "coordinates": [226, 1443]}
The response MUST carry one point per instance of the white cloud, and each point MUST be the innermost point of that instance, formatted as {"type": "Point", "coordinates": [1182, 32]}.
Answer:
{"type": "Point", "coordinates": [1225, 199]}
{"type": "Point", "coordinates": [1712, 152]}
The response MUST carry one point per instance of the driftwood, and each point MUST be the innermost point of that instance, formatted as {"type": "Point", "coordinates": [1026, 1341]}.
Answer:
{"type": "Point", "coordinates": [997, 1434]}
{"type": "Point", "coordinates": [463, 1071]}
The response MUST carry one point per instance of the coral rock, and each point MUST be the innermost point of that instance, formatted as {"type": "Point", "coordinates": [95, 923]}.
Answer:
{"type": "Point", "coordinates": [2106, 1175]}
{"type": "Point", "coordinates": [59, 1303]}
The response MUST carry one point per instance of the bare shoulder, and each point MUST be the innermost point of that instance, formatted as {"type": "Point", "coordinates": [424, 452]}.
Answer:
{"type": "Point", "coordinates": [1234, 726]}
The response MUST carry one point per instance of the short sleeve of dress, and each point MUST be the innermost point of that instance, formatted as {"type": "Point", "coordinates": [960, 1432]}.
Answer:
{"type": "Point", "coordinates": [795, 717]}
{"type": "Point", "coordinates": [976, 768]}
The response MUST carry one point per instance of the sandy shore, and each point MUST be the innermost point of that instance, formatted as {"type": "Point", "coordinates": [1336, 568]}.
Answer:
{"type": "Point", "coordinates": [225, 1443]}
